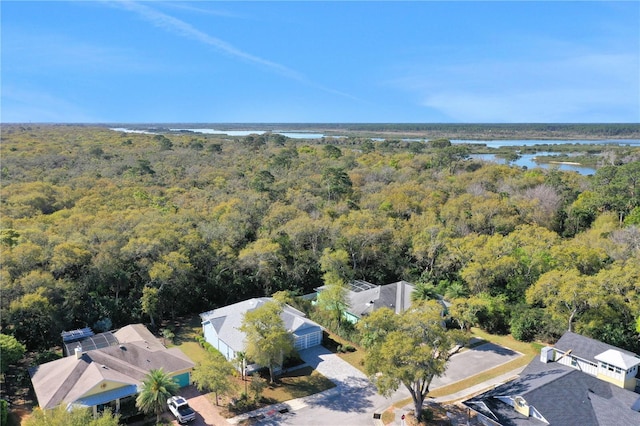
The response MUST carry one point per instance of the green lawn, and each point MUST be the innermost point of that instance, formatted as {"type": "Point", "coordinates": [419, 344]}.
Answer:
{"type": "Point", "coordinates": [356, 358]}
{"type": "Point", "coordinates": [297, 384]}
{"type": "Point", "coordinates": [185, 338]}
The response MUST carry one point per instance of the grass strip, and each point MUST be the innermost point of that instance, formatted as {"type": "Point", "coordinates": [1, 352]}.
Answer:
{"type": "Point", "coordinates": [530, 350]}
{"type": "Point", "coordinates": [480, 378]}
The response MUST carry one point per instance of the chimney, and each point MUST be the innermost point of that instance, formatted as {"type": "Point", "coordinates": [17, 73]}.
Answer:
{"type": "Point", "coordinates": [78, 352]}
{"type": "Point", "coordinates": [546, 354]}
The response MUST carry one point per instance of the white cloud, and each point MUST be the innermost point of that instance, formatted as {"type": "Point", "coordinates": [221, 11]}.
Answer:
{"type": "Point", "coordinates": [184, 29]}
{"type": "Point", "coordinates": [588, 87]}
{"type": "Point", "coordinates": [529, 106]}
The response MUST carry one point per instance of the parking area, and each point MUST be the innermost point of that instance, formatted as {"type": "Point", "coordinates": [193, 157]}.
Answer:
{"type": "Point", "coordinates": [474, 361]}
{"type": "Point", "coordinates": [206, 412]}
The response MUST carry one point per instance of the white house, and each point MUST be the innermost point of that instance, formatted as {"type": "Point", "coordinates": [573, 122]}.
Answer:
{"type": "Point", "coordinates": [221, 327]}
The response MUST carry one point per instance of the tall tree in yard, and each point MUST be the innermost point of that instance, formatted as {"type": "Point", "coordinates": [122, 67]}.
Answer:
{"type": "Point", "coordinates": [335, 265]}
{"type": "Point", "coordinates": [150, 303]}
{"type": "Point", "coordinates": [214, 374]}
{"type": "Point", "coordinates": [411, 350]}
{"type": "Point", "coordinates": [268, 341]}
{"type": "Point", "coordinates": [157, 387]}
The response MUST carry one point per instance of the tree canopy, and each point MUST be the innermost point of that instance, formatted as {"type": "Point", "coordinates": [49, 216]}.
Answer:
{"type": "Point", "coordinates": [268, 342]}
{"type": "Point", "coordinates": [103, 226]}
{"type": "Point", "coordinates": [409, 349]}
{"type": "Point", "coordinates": [11, 351]}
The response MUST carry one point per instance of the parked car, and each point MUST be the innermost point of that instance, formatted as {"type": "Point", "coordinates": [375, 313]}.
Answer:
{"type": "Point", "coordinates": [179, 407]}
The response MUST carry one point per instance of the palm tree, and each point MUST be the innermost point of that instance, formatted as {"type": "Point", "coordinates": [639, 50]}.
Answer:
{"type": "Point", "coordinates": [424, 291]}
{"type": "Point", "coordinates": [157, 387]}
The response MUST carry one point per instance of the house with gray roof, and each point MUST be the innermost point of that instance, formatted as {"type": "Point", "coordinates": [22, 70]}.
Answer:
{"type": "Point", "coordinates": [221, 327]}
{"type": "Point", "coordinates": [569, 384]}
{"type": "Point", "coordinates": [364, 297]}
{"type": "Point", "coordinates": [107, 376]}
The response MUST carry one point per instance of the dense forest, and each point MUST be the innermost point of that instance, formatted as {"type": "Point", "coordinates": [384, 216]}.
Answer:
{"type": "Point", "coordinates": [101, 228]}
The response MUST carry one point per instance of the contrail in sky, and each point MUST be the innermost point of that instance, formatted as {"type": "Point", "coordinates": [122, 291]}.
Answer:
{"type": "Point", "coordinates": [186, 30]}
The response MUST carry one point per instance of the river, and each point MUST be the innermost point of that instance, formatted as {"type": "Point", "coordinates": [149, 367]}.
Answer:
{"type": "Point", "coordinates": [525, 160]}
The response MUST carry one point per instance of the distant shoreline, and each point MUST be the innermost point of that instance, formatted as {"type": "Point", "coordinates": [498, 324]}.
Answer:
{"type": "Point", "coordinates": [428, 131]}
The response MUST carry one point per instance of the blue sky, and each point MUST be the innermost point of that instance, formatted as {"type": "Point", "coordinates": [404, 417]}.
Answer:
{"type": "Point", "coordinates": [458, 62]}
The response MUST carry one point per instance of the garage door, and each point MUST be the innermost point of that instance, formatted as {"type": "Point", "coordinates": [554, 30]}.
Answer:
{"type": "Point", "coordinates": [182, 379]}
{"type": "Point", "coordinates": [308, 340]}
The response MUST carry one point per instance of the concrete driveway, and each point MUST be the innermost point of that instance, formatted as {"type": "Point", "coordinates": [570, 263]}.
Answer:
{"type": "Point", "coordinates": [354, 400]}
{"type": "Point", "coordinates": [474, 361]}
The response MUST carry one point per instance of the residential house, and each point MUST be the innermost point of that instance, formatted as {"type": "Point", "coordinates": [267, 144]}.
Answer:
{"type": "Point", "coordinates": [106, 370]}
{"type": "Point", "coordinates": [221, 327]}
{"type": "Point", "coordinates": [580, 381]}
{"type": "Point", "coordinates": [364, 297]}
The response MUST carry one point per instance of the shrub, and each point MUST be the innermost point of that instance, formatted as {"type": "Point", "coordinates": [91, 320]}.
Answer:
{"type": "Point", "coordinates": [46, 356]}
{"type": "Point", "coordinates": [4, 412]}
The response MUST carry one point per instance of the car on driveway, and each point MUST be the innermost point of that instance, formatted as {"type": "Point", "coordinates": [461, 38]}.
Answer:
{"type": "Point", "coordinates": [179, 407]}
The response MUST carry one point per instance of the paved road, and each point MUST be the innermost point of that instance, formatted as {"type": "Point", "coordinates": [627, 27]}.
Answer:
{"type": "Point", "coordinates": [354, 400]}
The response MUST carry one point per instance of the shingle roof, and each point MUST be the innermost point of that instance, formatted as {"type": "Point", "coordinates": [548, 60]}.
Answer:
{"type": "Point", "coordinates": [69, 378]}
{"type": "Point", "coordinates": [585, 347]}
{"type": "Point", "coordinates": [396, 296]}
{"type": "Point", "coordinates": [228, 320]}
{"type": "Point", "coordinates": [562, 395]}
{"type": "Point", "coordinates": [138, 334]}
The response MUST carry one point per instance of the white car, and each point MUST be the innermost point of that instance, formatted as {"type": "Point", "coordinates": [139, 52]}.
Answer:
{"type": "Point", "coordinates": [179, 407]}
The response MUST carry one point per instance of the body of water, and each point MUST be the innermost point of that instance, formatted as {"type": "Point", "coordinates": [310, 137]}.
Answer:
{"type": "Point", "coordinates": [488, 143]}
{"type": "Point", "coordinates": [292, 135]}
{"type": "Point", "coordinates": [522, 142]}
{"type": "Point", "coordinates": [528, 160]}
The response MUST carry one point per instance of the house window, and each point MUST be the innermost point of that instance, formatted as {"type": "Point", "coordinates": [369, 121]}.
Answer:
{"type": "Point", "coordinates": [574, 362]}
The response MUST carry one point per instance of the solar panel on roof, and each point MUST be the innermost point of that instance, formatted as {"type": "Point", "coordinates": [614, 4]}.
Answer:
{"type": "Point", "coordinates": [89, 343]}
{"type": "Point", "coordinates": [358, 285]}
{"type": "Point", "coordinates": [75, 335]}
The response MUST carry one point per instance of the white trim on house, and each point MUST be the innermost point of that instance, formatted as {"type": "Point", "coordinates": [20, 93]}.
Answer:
{"type": "Point", "coordinates": [221, 327]}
